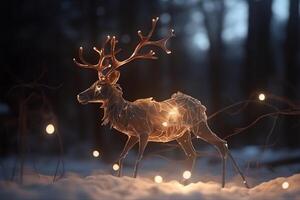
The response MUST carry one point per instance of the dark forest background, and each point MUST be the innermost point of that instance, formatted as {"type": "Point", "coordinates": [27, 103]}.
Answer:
{"type": "Point", "coordinates": [224, 51]}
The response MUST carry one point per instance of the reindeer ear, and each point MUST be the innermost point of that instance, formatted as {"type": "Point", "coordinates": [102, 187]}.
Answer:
{"type": "Point", "coordinates": [114, 77]}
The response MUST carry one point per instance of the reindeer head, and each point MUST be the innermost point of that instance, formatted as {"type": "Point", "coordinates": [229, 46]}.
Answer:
{"type": "Point", "coordinates": [108, 64]}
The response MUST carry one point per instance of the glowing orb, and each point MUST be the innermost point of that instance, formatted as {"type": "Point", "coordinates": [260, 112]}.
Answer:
{"type": "Point", "coordinates": [285, 185]}
{"type": "Point", "coordinates": [158, 179]}
{"type": "Point", "coordinates": [165, 124]}
{"type": "Point", "coordinates": [261, 96]}
{"type": "Point", "coordinates": [174, 111]}
{"type": "Point", "coordinates": [116, 167]}
{"type": "Point", "coordinates": [186, 174]}
{"type": "Point", "coordinates": [96, 153]}
{"type": "Point", "coordinates": [50, 129]}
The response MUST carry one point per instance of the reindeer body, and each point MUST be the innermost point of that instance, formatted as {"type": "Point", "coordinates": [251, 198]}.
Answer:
{"type": "Point", "coordinates": [164, 121]}
{"type": "Point", "coordinates": [147, 120]}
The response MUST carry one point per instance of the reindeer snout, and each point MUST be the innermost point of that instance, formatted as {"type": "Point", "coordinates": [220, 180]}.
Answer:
{"type": "Point", "coordinates": [78, 98]}
{"type": "Point", "coordinates": [81, 99]}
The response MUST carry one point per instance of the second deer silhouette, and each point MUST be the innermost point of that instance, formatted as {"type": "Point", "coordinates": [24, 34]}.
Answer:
{"type": "Point", "coordinates": [147, 120]}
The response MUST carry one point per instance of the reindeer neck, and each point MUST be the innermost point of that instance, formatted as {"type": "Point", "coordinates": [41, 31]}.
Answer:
{"type": "Point", "coordinates": [113, 106]}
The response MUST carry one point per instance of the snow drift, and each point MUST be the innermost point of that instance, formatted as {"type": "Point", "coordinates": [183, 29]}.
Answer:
{"type": "Point", "coordinates": [109, 187]}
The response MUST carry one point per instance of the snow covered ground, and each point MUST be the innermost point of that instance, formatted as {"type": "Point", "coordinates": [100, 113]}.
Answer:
{"type": "Point", "coordinates": [92, 179]}
{"type": "Point", "coordinates": [102, 186]}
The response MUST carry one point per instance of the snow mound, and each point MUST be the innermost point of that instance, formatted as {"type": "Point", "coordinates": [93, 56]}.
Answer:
{"type": "Point", "coordinates": [102, 186]}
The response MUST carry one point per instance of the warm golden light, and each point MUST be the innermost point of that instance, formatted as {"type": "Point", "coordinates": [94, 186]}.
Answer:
{"type": "Point", "coordinates": [50, 129]}
{"type": "Point", "coordinates": [174, 111]}
{"type": "Point", "coordinates": [96, 153]}
{"type": "Point", "coordinates": [116, 167]}
{"type": "Point", "coordinates": [261, 96]}
{"type": "Point", "coordinates": [165, 124]}
{"type": "Point", "coordinates": [285, 185]}
{"type": "Point", "coordinates": [186, 174]}
{"type": "Point", "coordinates": [158, 179]}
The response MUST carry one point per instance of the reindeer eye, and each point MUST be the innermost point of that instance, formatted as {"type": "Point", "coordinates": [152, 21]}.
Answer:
{"type": "Point", "coordinates": [98, 88]}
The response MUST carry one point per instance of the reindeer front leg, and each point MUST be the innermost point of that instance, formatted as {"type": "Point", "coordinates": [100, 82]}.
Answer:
{"type": "Point", "coordinates": [143, 140]}
{"type": "Point", "coordinates": [131, 141]}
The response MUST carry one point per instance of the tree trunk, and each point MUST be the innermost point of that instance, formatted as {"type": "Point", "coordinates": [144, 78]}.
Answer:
{"type": "Point", "coordinates": [292, 71]}
{"type": "Point", "coordinates": [259, 68]}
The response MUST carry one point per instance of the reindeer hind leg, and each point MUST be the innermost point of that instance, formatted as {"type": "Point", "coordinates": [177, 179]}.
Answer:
{"type": "Point", "coordinates": [209, 136]}
{"type": "Point", "coordinates": [204, 132]}
{"type": "Point", "coordinates": [239, 170]}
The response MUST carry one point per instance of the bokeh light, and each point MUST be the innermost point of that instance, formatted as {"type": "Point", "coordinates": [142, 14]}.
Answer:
{"type": "Point", "coordinates": [158, 179]}
{"type": "Point", "coordinates": [285, 185]}
{"type": "Point", "coordinates": [116, 167]}
{"type": "Point", "coordinates": [186, 174]}
{"type": "Point", "coordinates": [262, 97]}
{"type": "Point", "coordinates": [96, 153]}
{"type": "Point", "coordinates": [50, 129]}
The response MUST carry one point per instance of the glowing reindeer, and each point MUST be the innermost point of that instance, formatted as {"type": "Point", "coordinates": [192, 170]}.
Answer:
{"type": "Point", "coordinates": [146, 120]}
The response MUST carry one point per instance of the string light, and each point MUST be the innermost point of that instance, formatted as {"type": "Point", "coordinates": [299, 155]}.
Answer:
{"type": "Point", "coordinates": [158, 179]}
{"type": "Point", "coordinates": [96, 153]}
{"type": "Point", "coordinates": [261, 96]}
{"type": "Point", "coordinates": [165, 124]}
{"type": "Point", "coordinates": [285, 185]}
{"type": "Point", "coordinates": [116, 167]}
{"type": "Point", "coordinates": [186, 174]}
{"type": "Point", "coordinates": [50, 129]}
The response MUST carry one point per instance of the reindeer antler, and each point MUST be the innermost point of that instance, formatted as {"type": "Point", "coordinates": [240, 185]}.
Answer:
{"type": "Point", "coordinates": [114, 63]}
{"type": "Point", "coordinates": [102, 64]}
{"type": "Point", "coordinates": [144, 41]}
